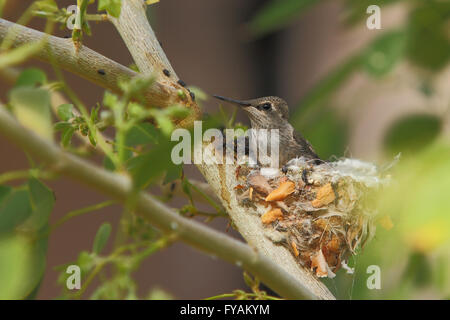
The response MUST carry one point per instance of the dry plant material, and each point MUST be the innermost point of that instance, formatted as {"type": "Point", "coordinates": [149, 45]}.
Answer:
{"type": "Point", "coordinates": [260, 184]}
{"type": "Point", "coordinates": [321, 221]}
{"type": "Point", "coordinates": [319, 264]}
{"type": "Point", "coordinates": [325, 195]}
{"type": "Point", "coordinates": [271, 216]}
{"type": "Point", "coordinates": [281, 193]}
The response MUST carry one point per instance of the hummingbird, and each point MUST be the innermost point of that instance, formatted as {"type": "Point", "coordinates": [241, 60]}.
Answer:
{"type": "Point", "coordinates": [273, 113]}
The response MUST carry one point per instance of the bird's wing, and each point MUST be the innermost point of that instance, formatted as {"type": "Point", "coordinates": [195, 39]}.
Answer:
{"type": "Point", "coordinates": [305, 146]}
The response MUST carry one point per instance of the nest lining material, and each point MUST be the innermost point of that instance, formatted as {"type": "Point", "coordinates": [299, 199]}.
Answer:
{"type": "Point", "coordinates": [321, 213]}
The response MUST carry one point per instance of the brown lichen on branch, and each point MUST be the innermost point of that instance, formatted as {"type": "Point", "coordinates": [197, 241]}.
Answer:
{"type": "Point", "coordinates": [321, 213]}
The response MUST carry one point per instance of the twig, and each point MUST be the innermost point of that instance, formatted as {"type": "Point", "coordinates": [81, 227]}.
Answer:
{"type": "Point", "coordinates": [87, 63]}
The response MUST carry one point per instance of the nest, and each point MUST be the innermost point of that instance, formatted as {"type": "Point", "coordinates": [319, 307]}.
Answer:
{"type": "Point", "coordinates": [321, 213]}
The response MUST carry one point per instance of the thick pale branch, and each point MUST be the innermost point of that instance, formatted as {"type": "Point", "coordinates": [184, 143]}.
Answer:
{"type": "Point", "coordinates": [91, 65]}
{"type": "Point", "coordinates": [119, 187]}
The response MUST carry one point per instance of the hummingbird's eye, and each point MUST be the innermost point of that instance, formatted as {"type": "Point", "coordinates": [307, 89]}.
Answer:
{"type": "Point", "coordinates": [266, 106]}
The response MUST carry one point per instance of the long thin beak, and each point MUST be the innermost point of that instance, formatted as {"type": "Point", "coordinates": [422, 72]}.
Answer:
{"type": "Point", "coordinates": [241, 103]}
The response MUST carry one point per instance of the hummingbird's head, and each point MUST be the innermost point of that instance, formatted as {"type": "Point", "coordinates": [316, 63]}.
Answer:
{"type": "Point", "coordinates": [266, 112]}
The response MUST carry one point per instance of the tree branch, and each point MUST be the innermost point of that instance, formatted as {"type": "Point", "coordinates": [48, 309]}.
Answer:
{"type": "Point", "coordinates": [91, 65]}
{"type": "Point", "coordinates": [119, 187]}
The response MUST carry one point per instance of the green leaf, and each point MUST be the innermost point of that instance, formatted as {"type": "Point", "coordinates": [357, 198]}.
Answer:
{"type": "Point", "coordinates": [142, 133]}
{"type": "Point", "coordinates": [148, 166]}
{"type": "Point", "coordinates": [429, 44]}
{"type": "Point", "coordinates": [42, 202]}
{"type": "Point", "coordinates": [14, 210]}
{"type": "Point", "coordinates": [177, 112]}
{"type": "Point", "coordinates": [328, 134]}
{"type": "Point", "coordinates": [31, 77]}
{"type": "Point", "coordinates": [110, 100]}
{"type": "Point", "coordinates": [324, 89]}
{"type": "Point", "coordinates": [31, 106]}
{"type": "Point", "coordinates": [385, 52]}
{"type": "Point", "coordinates": [20, 54]}
{"type": "Point", "coordinates": [101, 238]}
{"type": "Point", "coordinates": [277, 14]}
{"type": "Point", "coordinates": [412, 133]}
{"type": "Point", "coordinates": [65, 112]}
{"type": "Point", "coordinates": [173, 173]}
{"type": "Point", "coordinates": [164, 123]}
{"type": "Point", "coordinates": [4, 191]}
{"type": "Point", "coordinates": [111, 6]}
{"type": "Point", "coordinates": [22, 265]}
{"type": "Point", "coordinates": [66, 136]}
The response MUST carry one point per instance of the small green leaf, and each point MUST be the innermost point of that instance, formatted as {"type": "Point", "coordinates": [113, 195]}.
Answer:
{"type": "Point", "coordinates": [22, 265]}
{"type": "Point", "coordinates": [101, 238]}
{"type": "Point", "coordinates": [31, 77]}
{"type": "Point", "coordinates": [177, 112]}
{"type": "Point", "coordinates": [412, 133]}
{"type": "Point", "coordinates": [4, 191]}
{"type": "Point", "coordinates": [66, 136]}
{"type": "Point", "coordinates": [42, 202]}
{"type": "Point", "coordinates": [31, 106]}
{"type": "Point", "coordinates": [65, 112]}
{"type": "Point", "coordinates": [111, 6]}
{"type": "Point", "coordinates": [142, 133]}
{"type": "Point", "coordinates": [148, 166]}
{"type": "Point", "coordinates": [20, 54]}
{"type": "Point", "coordinates": [110, 100]}
{"type": "Point", "coordinates": [165, 124]}
{"type": "Point", "coordinates": [385, 52]}
{"type": "Point", "coordinates": [61, 126]}
{"type": "Point", "coordinates": [329, 134]}
{"type": "Point", "coordinates": [14, 210]}
{"type": "Point", "coordinates": [277, 14]}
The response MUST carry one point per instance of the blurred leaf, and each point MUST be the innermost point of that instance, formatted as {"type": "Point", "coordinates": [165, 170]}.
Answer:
{"type": "Point", "coordinates": [66, 136]}
{"type": "Point", "coordinates": [328, 135]}
{"type": "Point", "coordinates": [164, 123]}
{"type": "Point", "coordinates": [22, 265]}
{"type": "Point", "coordinates": [101, 238]}
{"type": "Point", "coordinates": [173, 173]}
{"type": "Point", "coordinates": [356, 10]}
{"type": "Point", "coordinates": [159, 294]}
{"type": "Point", "coordinates": [20, 54]}
{"type": "Point", "coordinates": [148, 166]}
{"type": "Point", "coordinates": [31, 77]}
{"type": "Point", "coordinates": [42, 202]}
{"type": "Point", "coordinates": [199, 93]}
{"type": "Point", "coordinates": [429, 44]}
{"type": "Point", "coordinates": [4, 191]}
{"type": "Point", "coordinates": [65, 112]}
{"type": "Point", "coordinates": [418, 270]}
{"type": "Point", "coordinates": [31, 106]}
{"type": "Point", "coordinates": [142, 133]}
{"type": "Point", "coordinates": [412, 133]}
{"type": "Point", "coordinates": [384, 53]}
{"type": "Point", "coordinates": [15, 208]}
{"type": "Point", "coordinates": [324, 89]}
{"type": "Point", "coordinates": [277, 14]}
{"type": "Point", "coordinates": [111, 6]}
{"type": "Point", "coordinates": [177, 111]}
